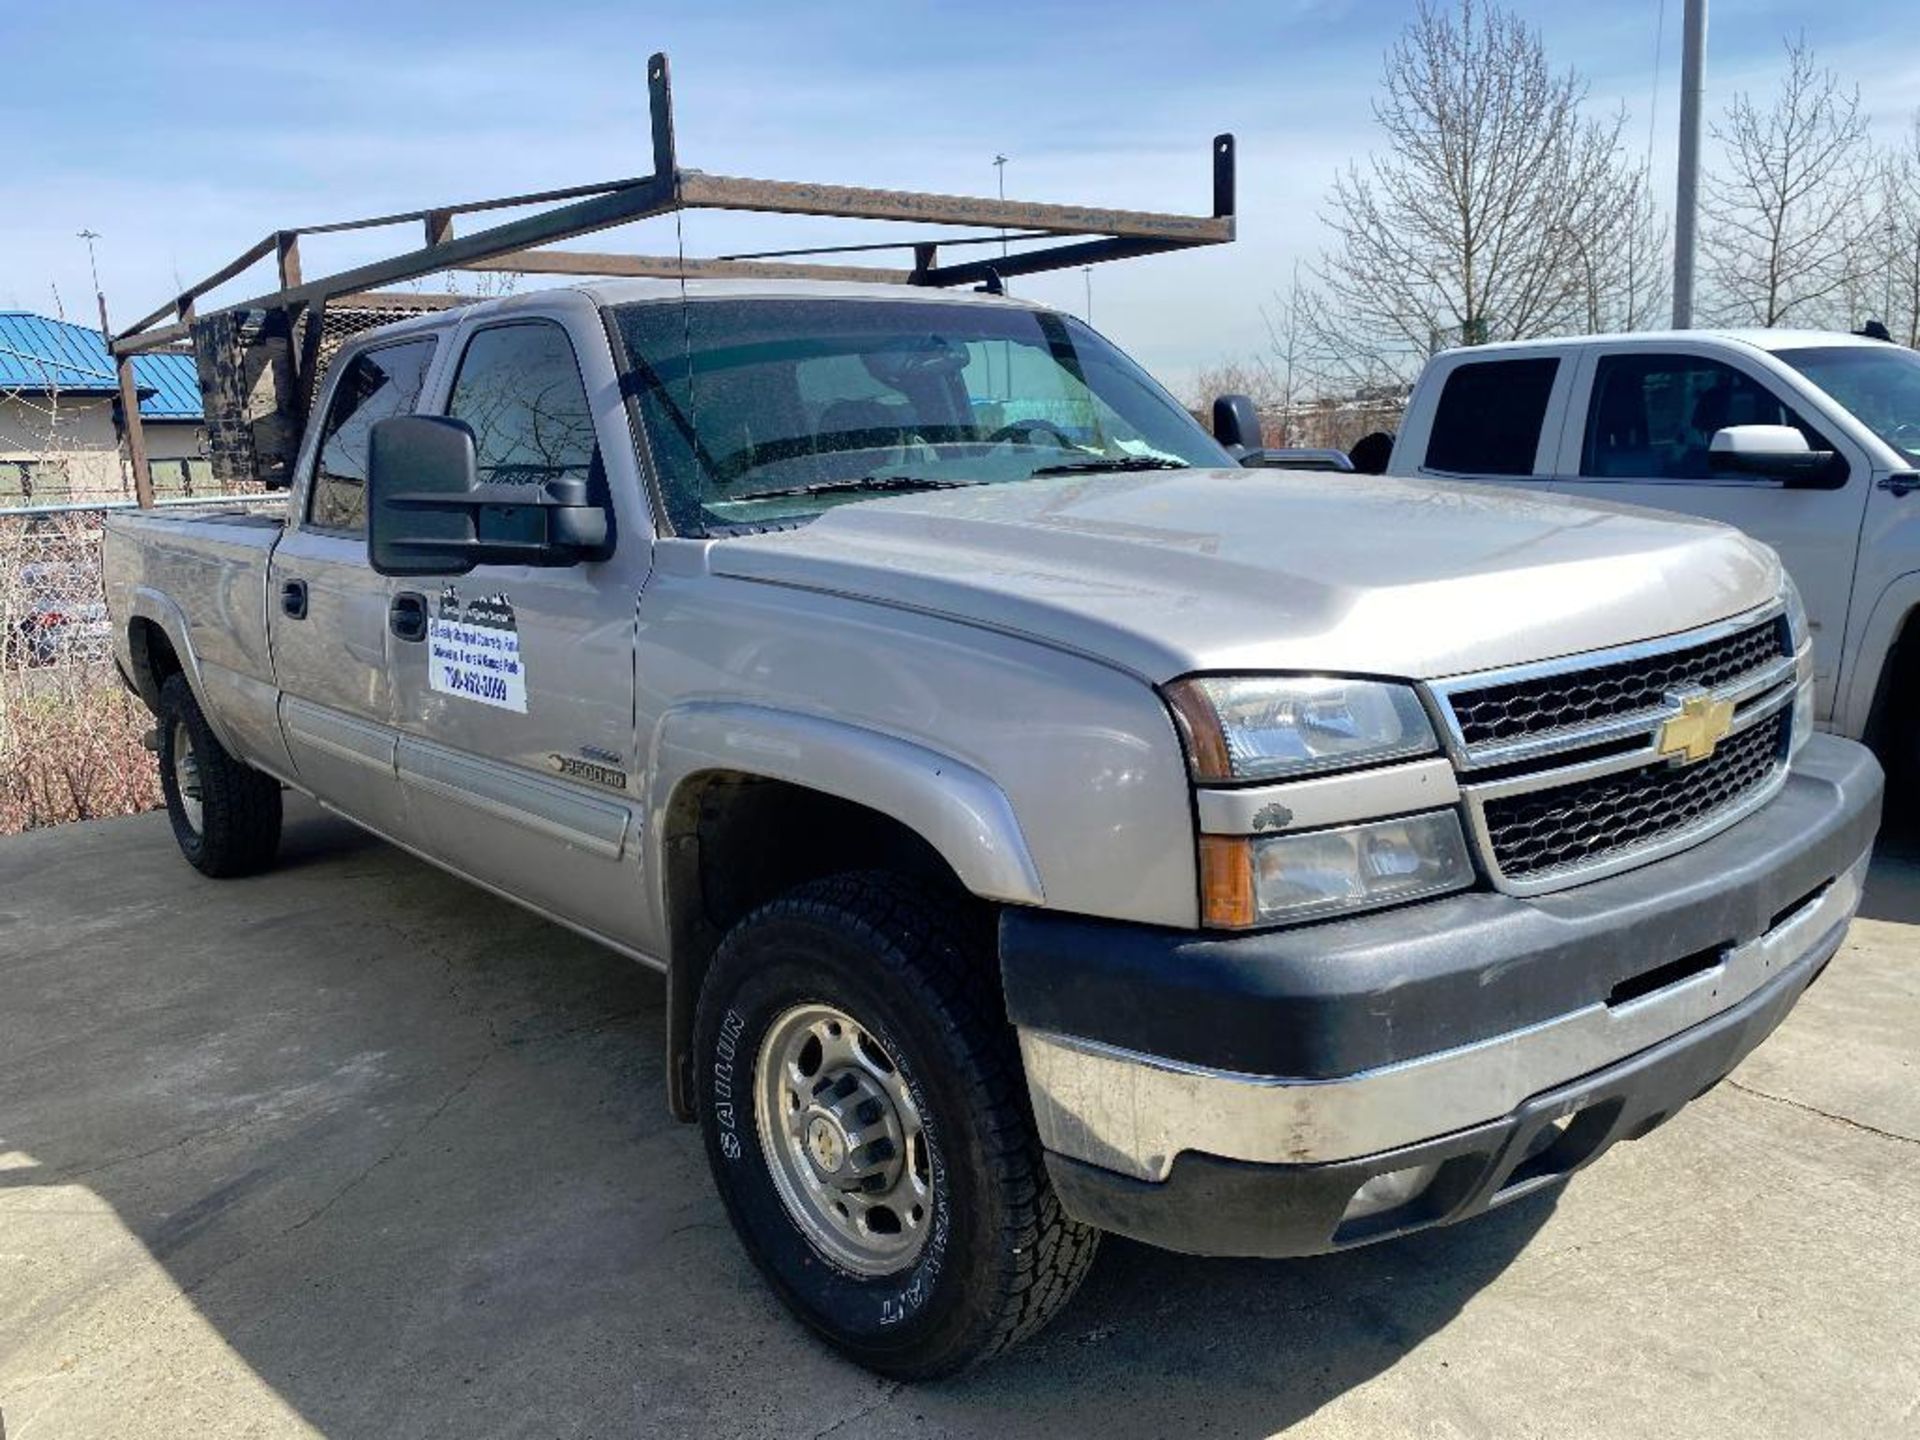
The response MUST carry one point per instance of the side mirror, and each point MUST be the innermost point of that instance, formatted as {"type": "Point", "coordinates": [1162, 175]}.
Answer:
{"type": "Point", "coordinates": [1773, 452]}
{"type": "Point", "coordinates": [428, 513]}
{"type": "Point", "coordinates": [1236, 423]}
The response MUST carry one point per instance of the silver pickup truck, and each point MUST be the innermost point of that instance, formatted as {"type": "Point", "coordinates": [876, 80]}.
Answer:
{"type": "Point", "coordinates": [1045, 825]}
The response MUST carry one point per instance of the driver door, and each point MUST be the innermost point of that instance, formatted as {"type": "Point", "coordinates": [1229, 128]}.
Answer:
{"type": "Point", "coordinates": [1649, 418]}
{"type": "Point", "coordinates": [520, 775]}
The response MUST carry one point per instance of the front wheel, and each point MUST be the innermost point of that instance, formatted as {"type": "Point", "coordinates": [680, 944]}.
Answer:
{"type": "Point", "coordinates": [868, 1128]}
{"type": "Point", "coordinates": [225, 814]}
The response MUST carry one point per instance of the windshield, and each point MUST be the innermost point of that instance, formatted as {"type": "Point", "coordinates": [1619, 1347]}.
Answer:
{"type": "Point", "coordinates": [1878, 383]}
{"type": "Point", "coordinates": [763, 411]}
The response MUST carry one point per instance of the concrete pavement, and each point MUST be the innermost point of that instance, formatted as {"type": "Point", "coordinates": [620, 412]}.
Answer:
{"type": "Point", "coordinates": [353, 1149]}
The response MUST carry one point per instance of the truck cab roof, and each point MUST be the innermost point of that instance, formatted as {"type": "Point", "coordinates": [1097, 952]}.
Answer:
{"type": "Point", "coordinates": [1753, 337]}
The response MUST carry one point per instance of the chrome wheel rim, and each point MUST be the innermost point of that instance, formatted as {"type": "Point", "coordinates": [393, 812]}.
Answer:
{"type": "Point", "coordinates": [843, 1140]}
{"type": "Point", "coordinates": [186, 776]}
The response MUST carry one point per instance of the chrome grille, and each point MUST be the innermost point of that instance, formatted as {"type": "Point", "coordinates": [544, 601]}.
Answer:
{"type": "Point", "coordinates": [1561, 769]}
{"type": "Point", "coordinates": [1547, 704]}
{"type": "Point", "coordinates": [1540, 831]}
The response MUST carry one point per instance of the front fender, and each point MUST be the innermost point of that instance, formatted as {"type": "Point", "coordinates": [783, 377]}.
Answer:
{"type": "Point", "coordinates": [1865, 668]}
{"type": "Point", "coordinates": [955, 808]}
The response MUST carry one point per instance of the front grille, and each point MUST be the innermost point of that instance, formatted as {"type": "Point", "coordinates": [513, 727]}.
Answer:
{"type": "Point", "coordinates": [1570, 699]}
{"type": "Point", "coordinates": [1588, 821]}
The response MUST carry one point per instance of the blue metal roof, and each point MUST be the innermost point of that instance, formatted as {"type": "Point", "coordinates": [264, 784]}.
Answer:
{"type": "Point", "coordinates": [37, 353]}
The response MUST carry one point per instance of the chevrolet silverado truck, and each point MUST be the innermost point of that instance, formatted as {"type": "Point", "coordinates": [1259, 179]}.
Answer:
{"type": "Point", "coordinates": [1045, 825]}
{"type": "Point", "coordinates": [1806, 439]}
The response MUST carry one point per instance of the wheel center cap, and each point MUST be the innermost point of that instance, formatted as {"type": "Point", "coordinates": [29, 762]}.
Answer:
{"type": "Point", "coordinates": [826, 1144]}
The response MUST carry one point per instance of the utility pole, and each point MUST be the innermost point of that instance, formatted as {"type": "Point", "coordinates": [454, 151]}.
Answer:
{"type": "Point", "coordinates": [1686, 200]}
{"type": "Point", "coordinates": [1000, 169]}
{"type": "Point", "coordinates": [99, 295]}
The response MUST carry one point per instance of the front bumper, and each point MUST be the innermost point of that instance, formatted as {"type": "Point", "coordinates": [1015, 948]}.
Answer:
{"type": "Point", "coordinates": [1233, 1096]}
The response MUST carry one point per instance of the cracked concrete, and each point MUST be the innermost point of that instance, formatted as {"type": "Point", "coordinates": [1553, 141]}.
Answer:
{"type": "Point", "coordinates": [352, 1149]}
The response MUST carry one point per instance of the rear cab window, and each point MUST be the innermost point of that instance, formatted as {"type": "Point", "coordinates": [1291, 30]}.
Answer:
{"type": "Point", "coordinates": [376, 384]}
{"type": "Point", "coordinates": [1490, 416]}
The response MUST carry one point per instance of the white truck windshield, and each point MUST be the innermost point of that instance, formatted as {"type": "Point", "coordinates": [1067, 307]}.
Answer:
{"type": "Point", "coordinates": [763, 411]}
{"type": "Point", "coordinates": [1878, 383]}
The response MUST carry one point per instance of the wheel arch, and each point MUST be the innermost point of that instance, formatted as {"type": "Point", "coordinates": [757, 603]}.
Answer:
{"type": "Point", "coordinates": [748, 801]}
{"type": "Point", "coordinates": [160, 644]}
{"type": "Point", "coordinates": [1886, 662]}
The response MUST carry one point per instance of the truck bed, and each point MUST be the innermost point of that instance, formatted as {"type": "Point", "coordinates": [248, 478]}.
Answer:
{"type": "Point", "coordinates": [202, 579]}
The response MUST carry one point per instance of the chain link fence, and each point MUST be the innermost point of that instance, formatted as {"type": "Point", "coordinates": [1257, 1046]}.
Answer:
{"type": "Point", "coordinates": [71, 737]}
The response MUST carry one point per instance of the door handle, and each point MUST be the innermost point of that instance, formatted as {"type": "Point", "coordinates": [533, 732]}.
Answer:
{"type": "Point", "coordinates": [293, 599]}
{"type": "Point", "coordinates": [407, 616]}
{"type": "Point", "coordinates": [1900, 483]}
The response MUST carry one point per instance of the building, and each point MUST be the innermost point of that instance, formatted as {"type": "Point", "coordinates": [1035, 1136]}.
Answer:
{"type": "Point", "coordinates": [57, 396]}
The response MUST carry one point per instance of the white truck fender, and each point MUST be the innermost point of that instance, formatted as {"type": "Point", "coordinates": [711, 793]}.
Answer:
{"type": "Point", "coordinates": [1871, 652]}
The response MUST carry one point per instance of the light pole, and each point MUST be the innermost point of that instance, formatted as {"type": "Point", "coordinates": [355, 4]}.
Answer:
{"type": "Point", "coordinates": [1686, 195]}
{"type": "Point", "coordinates": [1087, 272]}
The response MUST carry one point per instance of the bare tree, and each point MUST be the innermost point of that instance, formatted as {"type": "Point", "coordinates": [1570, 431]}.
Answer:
{"type": "Point", "coordinates": [1499, 210]}
{"type": "Point", "coordinates": [1786, 214]}
{"type": "Point", "coordinates": [1900, 227]}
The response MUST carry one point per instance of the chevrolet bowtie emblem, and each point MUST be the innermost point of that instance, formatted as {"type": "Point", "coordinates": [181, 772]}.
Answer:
{"type": "Point", "coordinates": [1690, 736]}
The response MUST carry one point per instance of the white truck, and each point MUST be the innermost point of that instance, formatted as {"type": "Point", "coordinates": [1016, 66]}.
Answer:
{"type": "Point", "coordinates": [1045, 825]}
{"type": "Point", "coordinates": [1808, 440]}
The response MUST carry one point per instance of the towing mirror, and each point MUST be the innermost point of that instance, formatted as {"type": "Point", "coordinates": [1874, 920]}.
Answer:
{"type": "Point", "coordinates": [429, 514]}
{"type": "Point", "coordinates": [1236, 423]}
{"type": "Point", "coordinates": [1774, 452]}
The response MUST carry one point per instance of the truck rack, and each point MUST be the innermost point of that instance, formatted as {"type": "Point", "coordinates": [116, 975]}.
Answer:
{"type": "Point", "coordinates": [260, 360]}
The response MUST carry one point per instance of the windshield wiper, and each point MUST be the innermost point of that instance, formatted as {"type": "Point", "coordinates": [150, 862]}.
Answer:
{"type": "Point", "coordinates": [875, 484]}
{"type": "Point", "coordinates": [1114, 462]}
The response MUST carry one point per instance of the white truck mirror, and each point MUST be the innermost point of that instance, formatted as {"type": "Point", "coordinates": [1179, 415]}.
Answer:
{"type": "Point", "coordinates": [1777, 452]}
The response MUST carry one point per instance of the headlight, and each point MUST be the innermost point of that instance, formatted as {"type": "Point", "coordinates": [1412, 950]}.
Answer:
{"type": "Point", "coordinates": [1798, 630]}
{"type": "Point", "coordinates": [1280, 879]}
{"type": "Point", "coordinates": [1272, 727]}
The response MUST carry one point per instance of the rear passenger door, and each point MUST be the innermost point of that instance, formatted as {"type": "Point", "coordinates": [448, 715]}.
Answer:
{"type": "Point", "coordinates": [515, 700]}
{"type": "Point", "coordinates": [327, 610]}
{"type": "Point", "coordinates": [1641, 438]}
{"type": "Point", "coordinates": [1496, 419]}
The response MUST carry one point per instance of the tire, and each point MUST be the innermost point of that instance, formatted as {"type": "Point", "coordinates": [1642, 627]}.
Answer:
{"type": "Point", "coordinates": [913, 970]}
{"type": "Point", "coordinates": [236, 827]}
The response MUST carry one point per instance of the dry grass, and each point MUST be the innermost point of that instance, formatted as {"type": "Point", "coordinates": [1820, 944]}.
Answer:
{"type": "Point", "coordinates": [72, 751]}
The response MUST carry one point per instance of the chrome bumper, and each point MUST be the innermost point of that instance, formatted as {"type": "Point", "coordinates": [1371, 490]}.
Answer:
{"type": "Point", "coordinates": [1133, 1114]}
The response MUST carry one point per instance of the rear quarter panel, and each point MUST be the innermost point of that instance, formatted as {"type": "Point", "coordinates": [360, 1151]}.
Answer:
{"type": "Point", "coordinates": [203, 581]}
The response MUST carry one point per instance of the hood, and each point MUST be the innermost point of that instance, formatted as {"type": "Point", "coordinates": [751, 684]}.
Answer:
{"type": "Point", "coordinates": [1169, 572]}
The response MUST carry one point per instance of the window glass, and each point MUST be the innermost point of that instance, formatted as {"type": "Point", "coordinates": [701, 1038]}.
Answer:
{"type": "Point", "coordinates": [772, 410]}
{"type": "Point", "coordinates": [1489, 418]}
{"type": "Point", "coordinates": [1880, 384]}
{"type": "Point", "coordinates": [375, 385]}
{"type": "Point", "coordinates": [519, 387]}
{"type": "Point", "coordinates": [1654, 416]}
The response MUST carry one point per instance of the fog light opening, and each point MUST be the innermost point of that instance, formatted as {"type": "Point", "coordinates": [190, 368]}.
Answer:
{"type": "Point", "coordinates": [1389, 1192]}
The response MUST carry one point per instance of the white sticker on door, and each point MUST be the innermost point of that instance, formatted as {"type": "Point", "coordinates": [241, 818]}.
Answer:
{"type": "Point", "coordinates": [474, 651]}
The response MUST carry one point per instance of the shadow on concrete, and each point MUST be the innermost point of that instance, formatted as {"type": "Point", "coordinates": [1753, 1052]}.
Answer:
{"type": "Point", "coordinates": [404, 1149]}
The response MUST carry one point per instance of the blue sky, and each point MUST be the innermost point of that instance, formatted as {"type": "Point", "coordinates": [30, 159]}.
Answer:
{"type": "Point", "coordinates": [183, 132]}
